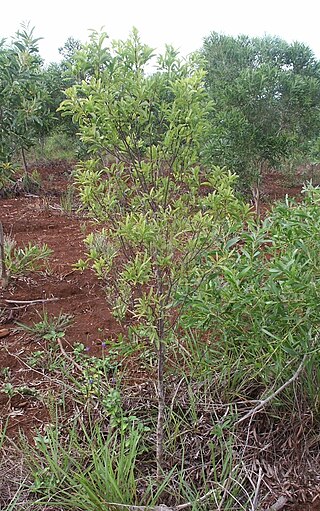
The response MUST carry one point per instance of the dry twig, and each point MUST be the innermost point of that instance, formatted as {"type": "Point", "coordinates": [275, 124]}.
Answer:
{"type": "Point", "coordinates": [161, 507]}
{"type": "Point", "coordinates": [263, 403]}
{"type": "Point", "coordinates": [279, 504]}
{"type": "Point", "coordinates": [69, 357]}
{"type": "Point", "coordinates": [31, 302]}
{"type": "Point", "coordinates": [256, 494]}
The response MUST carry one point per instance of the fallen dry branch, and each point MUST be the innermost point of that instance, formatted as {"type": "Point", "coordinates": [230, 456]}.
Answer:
{"type": "Point", "coordinates": [161, 507]}
{"type": "Point", "coordinates": [257, 490]}
{"type": "Point", "coordinates": [130, 507]}
{"type": "Point", "coordinates": [4, 332]}
{"type": "Point", "coordinates": [69, 357]}
{"type": "Point", "coordinates": [263, 403]}
{"type": "Point", "coordinates": [278, 505]}
{"type": "Point", "coordinates": [31, 302]}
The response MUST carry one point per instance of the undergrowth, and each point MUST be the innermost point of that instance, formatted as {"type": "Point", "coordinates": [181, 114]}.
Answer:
{"type": "Point", "coordinates": [250, 328]}
{"type": "Point", "coordinates": [57, 146]}
{"type": "Point", "coordinates": [14, 182]}
{"type": "Point", "coordinates": [20, 261]}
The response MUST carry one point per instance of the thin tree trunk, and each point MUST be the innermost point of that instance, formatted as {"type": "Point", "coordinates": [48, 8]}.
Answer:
{"type": "Point", "coordinates": [42, 143]}
{"type": "Point", "coordinates": [4, 279]}
{"type": "Point", "coordinates": [161, 401]}
{"type": "Point", "coordinates": [256, 190]}
{"type": "Point", "coordinates": [256, 199]}
{"type": "Point", "coordinates": [25, 165]}
{"type": "Point", "coordinates": [312, 173]}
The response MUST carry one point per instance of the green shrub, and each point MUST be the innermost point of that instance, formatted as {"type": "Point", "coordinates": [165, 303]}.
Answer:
{"type": "Point", "coordinates": [265, 94]}
{"type": "Point", "coordinates": [261, 298]}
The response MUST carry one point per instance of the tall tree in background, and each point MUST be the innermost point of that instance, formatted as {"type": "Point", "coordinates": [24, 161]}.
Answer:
{"type": "Point", "coordinates": [30, 94]}
{"type": "Point", "coordinates": [69, 50]}
{"type": "Point", "coordinates": [266, 96]}
{"type": "Point", "coordinates": [56, 78]}
{"type": "Point", "coordinates": [22, 106]}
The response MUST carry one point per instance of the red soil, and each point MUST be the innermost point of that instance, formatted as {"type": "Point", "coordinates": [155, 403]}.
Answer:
{"type": "Point", "coordinates": [38, 220]}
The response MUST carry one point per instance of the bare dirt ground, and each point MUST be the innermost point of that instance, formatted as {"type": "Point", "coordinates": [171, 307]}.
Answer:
{"type": "Point", "coordinates": [62, 289]}
{"type": "Point", "coordinates": [39, 219]}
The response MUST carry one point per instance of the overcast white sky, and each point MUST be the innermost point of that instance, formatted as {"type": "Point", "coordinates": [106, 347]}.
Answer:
{"type": "Point", "coordinates": [181, 23]}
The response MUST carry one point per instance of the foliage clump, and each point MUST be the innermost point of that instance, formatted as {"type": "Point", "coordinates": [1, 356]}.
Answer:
{"type": "Point", "coordinates": [266, 95]}
{"type": "Point", "coordinates": [261, 298]}
{"type": "Point", "coordinates": [21, 97]}
{"type": "Point", "coordinates": [20, 261]}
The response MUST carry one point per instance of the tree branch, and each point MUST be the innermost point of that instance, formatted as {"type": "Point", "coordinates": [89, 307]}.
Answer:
{"type": "Point", "coordinates": [263, 403]}
{"type": "Point", "coordinates": [161, 507]}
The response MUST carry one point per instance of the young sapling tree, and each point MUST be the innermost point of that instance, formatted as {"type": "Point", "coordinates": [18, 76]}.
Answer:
{"type": "Point", "coordinates": [161, 210]}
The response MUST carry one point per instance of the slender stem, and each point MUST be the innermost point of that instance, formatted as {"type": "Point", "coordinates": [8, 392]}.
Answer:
{"type": "Point", "coordinates": [161, 407]}
{"type": "Point", "coordinates": [160, 382]}
{"type": "Point", "coordinates": [3, 270]}
{"type": "Point", "coordinates": [25, 165]}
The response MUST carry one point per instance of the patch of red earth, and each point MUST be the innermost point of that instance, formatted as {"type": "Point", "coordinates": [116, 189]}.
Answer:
{"type": "Point", "coordinates": [276, 185]}
{"type": "Point", "coordinates": [314, 506]}
{"type": "Point", "coordinates": [76, 293]}
{"type": "Point", "coordinates": [54, 175]}
{"type": "Point", "coordinates": [37, 220]}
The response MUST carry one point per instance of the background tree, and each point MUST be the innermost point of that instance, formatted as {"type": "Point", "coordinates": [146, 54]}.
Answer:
{"type": "Point", "coordinates": [266, 96]}
{"type": "Point", "coordinates": [55, 79]}
{"type": "Point", "coordinates": [69, 50]}
{"type": "Point", "coordinates": [22, 105]}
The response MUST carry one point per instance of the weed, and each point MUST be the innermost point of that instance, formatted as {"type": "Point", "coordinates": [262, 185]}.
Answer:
{"type": "Point", "coordinates": [11, 390]}
{"type": "Point", "coordinates": [7, 178]}
{"type": "Point", "coordinates": [22, 260]}
{"type": "Point", "coordinates": [8, 389]}
{"type": "Point", "coordinates": [5, 372]}
{"type": "Point", "coordinates": [48, 360]}
{"type": "Point", "coordinates": [49, 327]}
{"type": "Point", "coordinates": [96, 375]}
{"type": "Point", "coordinates": [86, 469]}
{"type": "Point", "coordinates": [68, 201]}
{"type": "Point", "coordinates": [36, 359]}
{"type": "Point", "coordinates": [30, 182]}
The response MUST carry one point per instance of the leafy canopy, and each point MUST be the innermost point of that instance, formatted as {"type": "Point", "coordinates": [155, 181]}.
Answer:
{"type": "Point", "coordinates": [266, 96]}
{"type": "Point", "coordinates": [21, 95]}
{"type": "Point", "coordinates": [162, 208]}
